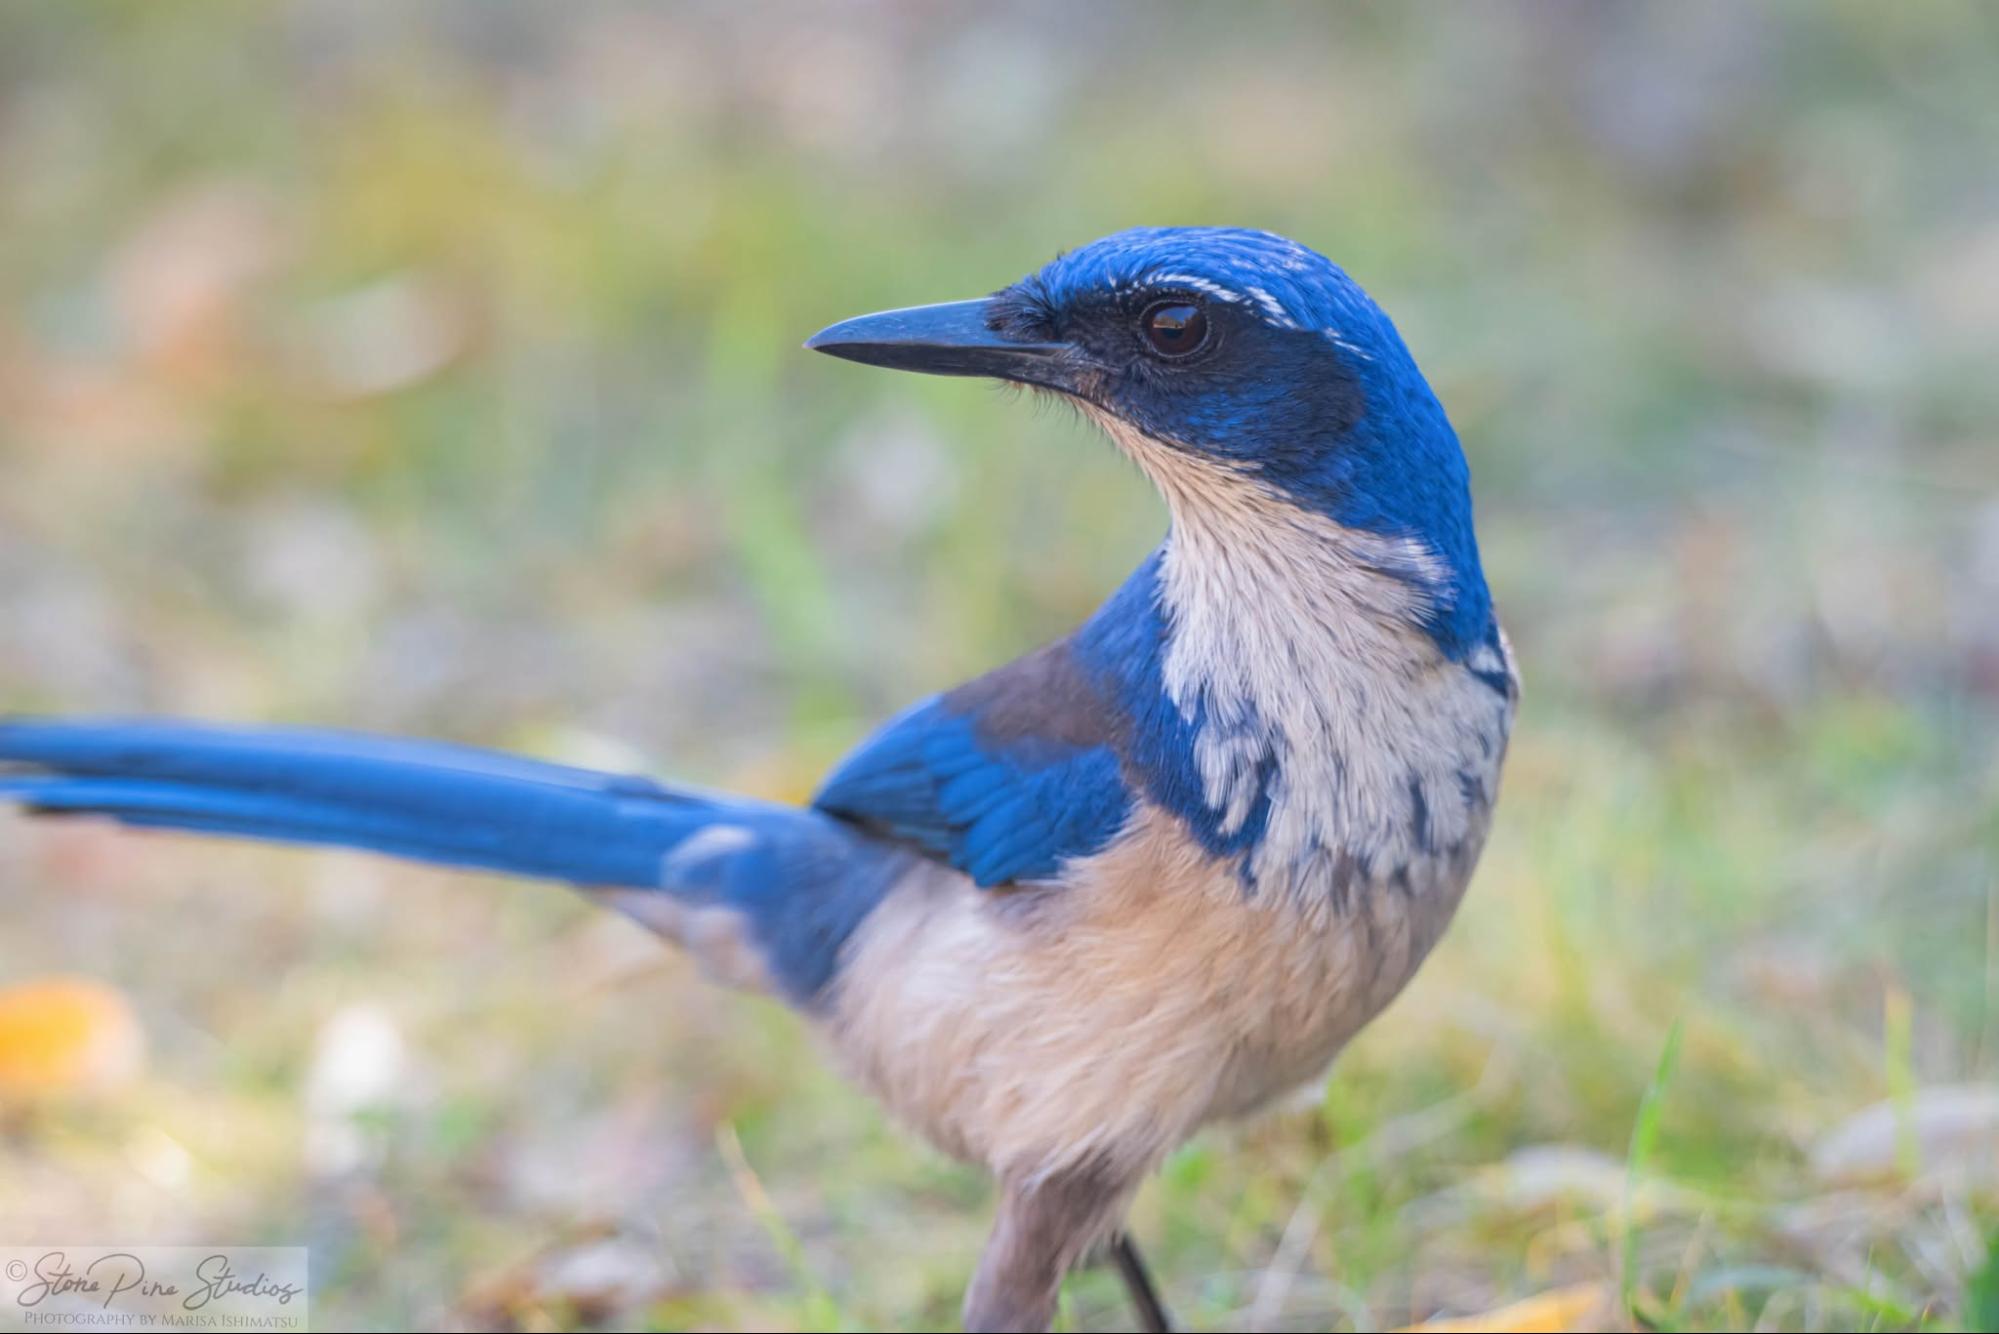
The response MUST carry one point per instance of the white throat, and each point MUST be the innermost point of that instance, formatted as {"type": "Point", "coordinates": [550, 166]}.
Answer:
{"type": "Point", "coordinates": [1298, 644]}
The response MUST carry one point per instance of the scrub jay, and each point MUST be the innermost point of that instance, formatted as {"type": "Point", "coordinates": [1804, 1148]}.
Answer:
{"type": "Point", "coordinates": [1150, 876]}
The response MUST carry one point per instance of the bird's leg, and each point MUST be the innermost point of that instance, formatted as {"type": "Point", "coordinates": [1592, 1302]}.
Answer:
{"type": "Point", "coordinates": [1044, 1227]}
{"type": "Point", "coordinates": [1152, 1314]}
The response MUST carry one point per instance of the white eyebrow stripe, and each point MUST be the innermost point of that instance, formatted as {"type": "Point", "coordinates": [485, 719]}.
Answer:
{"type": "Point", "coordinates": [1273, 308]}
{"type": "Point", "coordinates": [1202, 285]}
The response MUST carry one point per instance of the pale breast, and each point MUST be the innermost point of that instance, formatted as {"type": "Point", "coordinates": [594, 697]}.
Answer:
{"type": "Point", "coordinates": [1105, 1019]}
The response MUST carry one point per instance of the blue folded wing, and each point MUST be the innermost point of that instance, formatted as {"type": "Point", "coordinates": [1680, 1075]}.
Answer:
{"type": "Point", "coordinates": [1005, 779]}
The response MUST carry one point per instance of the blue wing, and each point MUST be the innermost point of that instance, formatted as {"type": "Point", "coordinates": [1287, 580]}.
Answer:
{"type": "Point", "coordinates": [1005, 778]}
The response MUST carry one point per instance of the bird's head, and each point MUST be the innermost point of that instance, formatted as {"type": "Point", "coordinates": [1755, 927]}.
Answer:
{"type": "Point", "coordinates": [1222, 353]}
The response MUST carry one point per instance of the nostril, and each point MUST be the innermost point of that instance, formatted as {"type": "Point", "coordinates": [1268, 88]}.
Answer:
{"type": "Point", "coordinates": [1024, 312]}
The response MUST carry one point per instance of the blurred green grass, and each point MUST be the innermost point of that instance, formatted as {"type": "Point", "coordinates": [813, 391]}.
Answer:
{"type": "Point", "coordinates": [435, 369]}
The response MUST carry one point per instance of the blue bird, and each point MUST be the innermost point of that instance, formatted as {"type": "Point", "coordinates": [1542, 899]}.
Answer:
{"type": "Point", "coordinates": [1151, 876]}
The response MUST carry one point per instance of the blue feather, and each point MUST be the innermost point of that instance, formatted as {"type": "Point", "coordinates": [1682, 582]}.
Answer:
{"type": "Point", "coordinates": [1316, 394]}
{"type": "Point", "coordinates": [1002, 809]}
{"type": "Point", "coordinates": [803, 882]}
{"type": "Point", "coordinates": [1124, 644]}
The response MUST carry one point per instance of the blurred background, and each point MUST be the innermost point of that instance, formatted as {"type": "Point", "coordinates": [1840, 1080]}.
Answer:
{"type": "Point", "coordinates": [434, 368]}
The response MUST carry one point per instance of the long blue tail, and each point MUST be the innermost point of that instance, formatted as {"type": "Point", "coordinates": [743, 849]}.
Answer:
{"type": "Point", "coordinates": [420, 799]}
{"type": "Point", "coordinates": [800, 880]}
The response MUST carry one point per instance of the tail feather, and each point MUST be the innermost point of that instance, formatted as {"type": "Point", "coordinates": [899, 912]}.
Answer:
{"type": "Point", "coordinates": [792, 884]}
{"type": "Point", "coordinates": [425, 800]}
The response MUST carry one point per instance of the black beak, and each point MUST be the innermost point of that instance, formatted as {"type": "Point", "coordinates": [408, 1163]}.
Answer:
{"type": "Point", "coordinates": [955, 338]}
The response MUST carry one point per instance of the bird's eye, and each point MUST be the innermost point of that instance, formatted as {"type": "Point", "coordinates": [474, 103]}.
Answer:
{"type": "Point", "coordinates": [1174, 328]}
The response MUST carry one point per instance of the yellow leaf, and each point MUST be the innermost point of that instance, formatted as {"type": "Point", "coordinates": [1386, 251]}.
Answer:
{"type": "Point", "coordinates": [1578, 1307]}
{"type": "Point", "coordinates": [64, 1033]}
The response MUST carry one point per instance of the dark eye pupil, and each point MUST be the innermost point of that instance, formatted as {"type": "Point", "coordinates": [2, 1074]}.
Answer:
{"type": "Point", "coordinates": [1175, 328]}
